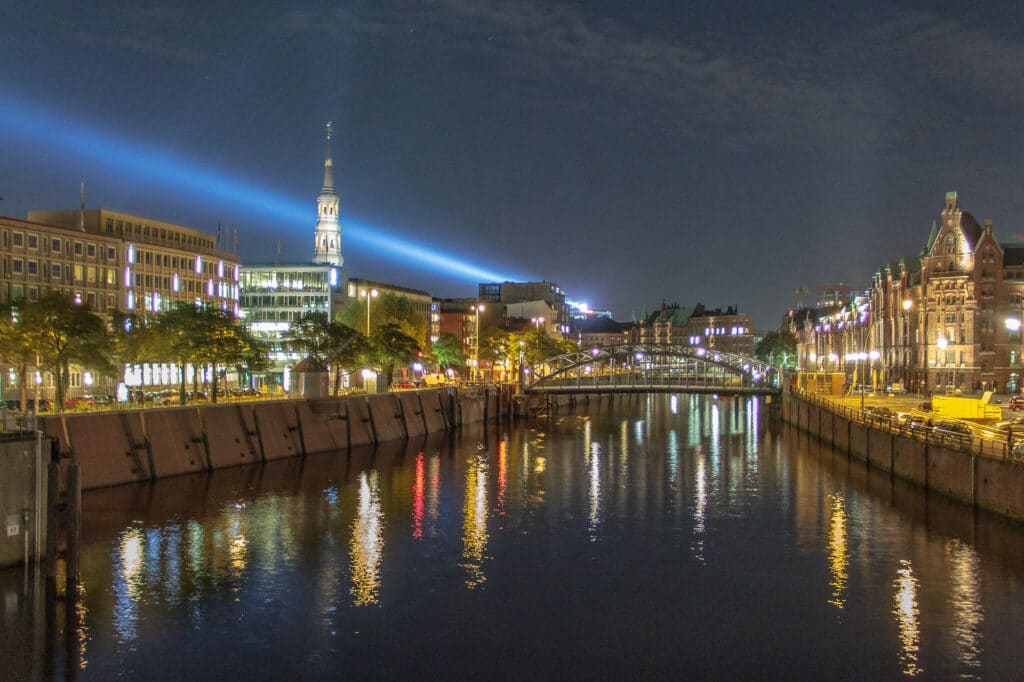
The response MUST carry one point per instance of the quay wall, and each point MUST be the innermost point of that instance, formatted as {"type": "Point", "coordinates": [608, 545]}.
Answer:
{"type": "Point", "coordinates": [132, 446]}
{"type": "Point", "coordinates": [986, 481]}
{"type": "Point", "coordinates": [23, 491]}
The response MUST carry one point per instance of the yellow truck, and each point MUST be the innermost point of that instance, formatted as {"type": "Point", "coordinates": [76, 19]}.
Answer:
{"type": "Point", "coordinates": [955, 407]}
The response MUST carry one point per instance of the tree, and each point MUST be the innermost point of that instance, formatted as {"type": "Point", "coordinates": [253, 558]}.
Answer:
{"type": "Point", "coordinates": [387, 308]}
{"type": "Point", "coordinates": [390, 346]}
{"type": "Point", "coordinates": [778, 349]}
{"type": "Point", "coordinates": [17, 348]}
{"type": "Point", "coordinates": [329, 341]}
{"type": "Point", "coordinates": [64, 332]}
{"type": "Point", "coordinates": [449, 353]}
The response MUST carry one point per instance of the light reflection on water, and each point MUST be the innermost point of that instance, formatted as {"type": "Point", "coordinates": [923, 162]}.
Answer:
{"type": "Point", "coordinates": [671, 516]}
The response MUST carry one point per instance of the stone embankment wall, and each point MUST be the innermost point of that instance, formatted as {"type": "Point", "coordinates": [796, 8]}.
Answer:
{"type": "Point", "coordinates": [113, 448]}
{"type": "Point", "coordinates": [992, 483]}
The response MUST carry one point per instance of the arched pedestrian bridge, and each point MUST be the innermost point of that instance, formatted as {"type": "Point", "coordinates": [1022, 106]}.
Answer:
{"type": "Point", "coordinates": [651, 368]}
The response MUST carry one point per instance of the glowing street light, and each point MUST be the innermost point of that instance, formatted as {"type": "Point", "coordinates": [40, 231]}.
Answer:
{"type": "Point", "coordinates": [537, 322]}
{"type": "Point", "coordinates": [369, 295]}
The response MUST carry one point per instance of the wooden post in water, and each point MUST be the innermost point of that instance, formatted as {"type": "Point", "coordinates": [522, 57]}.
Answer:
{"type": "Point", "coordinates": [74, 497]}
{"type": "Point", "coordinates": [52, 510]}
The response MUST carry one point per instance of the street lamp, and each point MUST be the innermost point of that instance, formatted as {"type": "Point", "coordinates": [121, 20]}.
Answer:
{"type": "Point", "coordinates": [537, 322]}
{"type": "Point", "coordinates": [907, 305]}
{"type": "Point", "coordinates": [476, 337]}
{"type": "Point", "coordinates": [369, 295]}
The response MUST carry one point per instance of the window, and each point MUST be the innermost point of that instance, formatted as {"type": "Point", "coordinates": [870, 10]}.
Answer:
{"type": "Point", "coordinates": [111, 253]}
{"type": "Point", "coordinates": [17, 266]}
{"type": "Point", "coordinates": [110, 225]}
{"type": "Point", "coordinates": [33, 241]}
{"type": "Point", "coordinates": [55, 271]}
{"type": "Point", "coordinates": [33, 267]}
{"type": "Point", "coordinates": [90, 250]}
{"type": "Point", "coordinates": [55, 246]}
{"type": "Point", "coordinates": [33, 293]}
{"type": "Point", "coordinates": [18, 239]}
{"type": "Point", "coordinates": [78, 248]}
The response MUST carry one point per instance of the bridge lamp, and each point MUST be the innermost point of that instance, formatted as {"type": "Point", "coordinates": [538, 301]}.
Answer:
{"type": "Point", "coordinates": [587, 369]}
{"type": "Point", "coordinates": [701, 352]}
{"type": "Point", "coordinates": [639, 356]}
{"type": "Point", "coordinates": [595, 352]}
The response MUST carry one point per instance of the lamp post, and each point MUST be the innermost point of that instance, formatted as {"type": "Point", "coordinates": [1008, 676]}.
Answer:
{"type": "Point", "coordinates": [1013, 325]}
{"type": "Point", "coordinates": [537, 322]}
{"type": "Point", "coordinates": [907, 305]}
{"type": "Point", "coordinates": [369, 295]}
{"type": "Point", "coordinates": [476, 339]}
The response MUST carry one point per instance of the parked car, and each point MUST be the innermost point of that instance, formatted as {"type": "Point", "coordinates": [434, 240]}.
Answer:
{"type": "Point", "coordinates": [875, 412]}
{"type": "Point", "coordinates": [45, 404]}
{"type": "Point", "coordinates": [1017, 403]}
{"type": "Point", "coordinates": [1018, 451]}
{"type": "Point", "coordinates": [954, 431]}
{"type": "Point", "coordinates": [918, 424]}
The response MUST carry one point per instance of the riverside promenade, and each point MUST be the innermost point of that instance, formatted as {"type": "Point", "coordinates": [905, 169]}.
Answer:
{"type": "Point", "coordinates": [980, 474]}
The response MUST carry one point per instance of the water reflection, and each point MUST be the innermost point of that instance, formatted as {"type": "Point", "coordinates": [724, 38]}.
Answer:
{"type": "Point", "coordinates": [838, 554]}
{"type": "Point", "coordinates": [287, 550]}
{"type": "Point", "coordinates": [965, 602]}
{"type": "Point", "coordinates": [907, 619]}
{"type": "Point", "coordinates": [594, 491]}
{"type": "Point", "coordinates": [474, 520]}
{"type": "Point", "coordinates": [127, 588]}
{"type": "Point", "coordinates": [419, 489]}
{"type": "Point", "coordinates": [367, 542]}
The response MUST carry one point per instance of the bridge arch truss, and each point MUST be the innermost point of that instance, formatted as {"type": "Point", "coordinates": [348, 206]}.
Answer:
{"type": "Point", "coordinates": [651, 367]}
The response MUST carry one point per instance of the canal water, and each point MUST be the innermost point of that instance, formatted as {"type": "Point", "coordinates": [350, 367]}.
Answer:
{"type": "Point", "coordinates": [651, 537]}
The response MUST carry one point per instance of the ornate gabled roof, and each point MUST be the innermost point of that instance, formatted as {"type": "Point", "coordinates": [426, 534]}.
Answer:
{"type": "Point", "coordinates": [932, 236]}
{"type": "Point", "coordinates": [972, 230]}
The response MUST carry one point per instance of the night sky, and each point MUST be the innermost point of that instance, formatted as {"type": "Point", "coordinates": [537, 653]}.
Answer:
{"type": "Point", "coordinates": [720, 152]}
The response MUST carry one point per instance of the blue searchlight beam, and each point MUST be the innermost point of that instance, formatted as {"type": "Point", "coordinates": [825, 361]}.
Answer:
{"type": "Point", "coordinates": [44, 127]}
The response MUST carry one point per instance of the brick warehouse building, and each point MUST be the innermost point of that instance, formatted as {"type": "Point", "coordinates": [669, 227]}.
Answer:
{"type": "Point", "coordinates": [951, 318]}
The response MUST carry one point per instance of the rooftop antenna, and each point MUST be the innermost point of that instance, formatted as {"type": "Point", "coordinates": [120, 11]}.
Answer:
{"type": "Point", "coordinates": [800, 293]}
{"type": "Point", "coordinates": [278, 261]}
{"type": "Point", "coordinates": [81, 214]}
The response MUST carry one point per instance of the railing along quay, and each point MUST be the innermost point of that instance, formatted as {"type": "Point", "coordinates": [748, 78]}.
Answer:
{"type": "Point", "coordinates": [980, 444]}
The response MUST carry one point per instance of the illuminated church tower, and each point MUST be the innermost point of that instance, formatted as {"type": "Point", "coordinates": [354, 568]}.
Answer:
{"type": "Point", "coordinates": [327, 247]}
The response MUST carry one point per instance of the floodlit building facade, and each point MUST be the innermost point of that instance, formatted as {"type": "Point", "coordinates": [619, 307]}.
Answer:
{"type": "Point", "coordinates": [112, 261]}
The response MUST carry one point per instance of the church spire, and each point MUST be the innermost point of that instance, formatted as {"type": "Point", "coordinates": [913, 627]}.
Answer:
{"type": "Point", "coordinates": [328, 163]}
{"type": "Point", "coordinates": [327, 235]}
